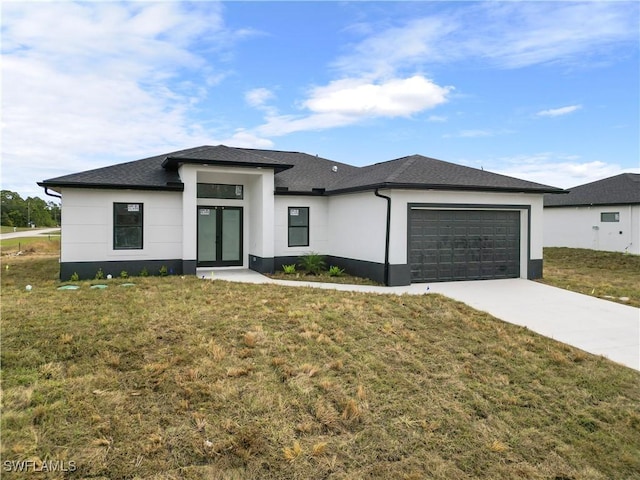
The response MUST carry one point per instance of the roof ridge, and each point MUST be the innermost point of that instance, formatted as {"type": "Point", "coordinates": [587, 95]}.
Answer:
{"type": "Point", "coordinates": [407, 163]}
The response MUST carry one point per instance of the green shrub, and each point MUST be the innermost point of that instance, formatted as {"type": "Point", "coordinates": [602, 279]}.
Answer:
{"type": "Point", "coordinates": [335, 271]}
{"type": "Point", "coordinates": [124, 274]}
{"type": "Point", "coordinates": [99, 274]}
{"type": "Point", "coordinates": [289, 269]}
{"type": "Point", "coordinates": [312, 263]}
{"type": "Point", "coordinates": [75, 277]}
{"type": "Point", "coordinates": [144, 272]}
{"type": "Point", "coordinates": [163, 271]}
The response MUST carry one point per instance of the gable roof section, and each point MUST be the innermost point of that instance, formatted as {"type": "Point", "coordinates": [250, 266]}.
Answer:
{"type": "Point", "coordinates": [161, 172]}
{"type": "Point", "coordinates": [418, 172]}
{"type": "Point", "coordinates": [223, 155]}
{"type": "Point", "coordinates": [298, 173]}
{"type": "Point", "coordinates": [145, 174]}
{"type": "Point", "coordinates": [623, 189]}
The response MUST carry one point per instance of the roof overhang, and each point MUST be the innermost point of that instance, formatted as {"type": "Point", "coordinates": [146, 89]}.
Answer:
{"type": "Point", "coordinates": [172, 163]}
{"type": "Point", "coordinates": [427, 186]}
{"type": "Point", "coordinates": [56, 186]}
{"type": "Point", "coordinates": [573, 205]}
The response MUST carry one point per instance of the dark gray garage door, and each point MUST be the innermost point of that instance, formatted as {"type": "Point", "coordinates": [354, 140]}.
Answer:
{"type": "Point", "coordinates": [447, 245]}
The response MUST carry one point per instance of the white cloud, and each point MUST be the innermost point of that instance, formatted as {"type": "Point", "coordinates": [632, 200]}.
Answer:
{"type": "Point", "coordinates": [279, 125]}
{"type": "Point", "coordinates": [102, 83]}
{"type": "Point", "coordinates": [557, 170]}
{"type": "Point", "coordinates": [379, 73]}
{"type": "Point", "coordinates": [507, 34]}
{"type": "Point", "coordinates": [390, 49]}
{"type": "Point", "coordinates": [557, 112]}
{"type": "Point", "coordinates": [352, 100]}
{"type": "Point", "coordinates": [258, 97]}
{"type": "Point", "coordinates": [244, 139]}
{"type": "Point", "coordinates": [476, 133]}
{"type": "Point", "coordinates": [393, 98]}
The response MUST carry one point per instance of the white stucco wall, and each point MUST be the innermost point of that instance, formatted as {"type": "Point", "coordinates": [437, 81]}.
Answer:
{"type": "Point", "coordinates": [87, 225]}
{"type": "Point", "coordinates": [354, 224]}
{"type": "Point", "coordinates": [318, 224]}
{"type": "Point", "coordinates": [357, 225]}
{"type": "Point", "coordinates": [257, 206]}
{"type": "Point", "coordinates": [580, 227]}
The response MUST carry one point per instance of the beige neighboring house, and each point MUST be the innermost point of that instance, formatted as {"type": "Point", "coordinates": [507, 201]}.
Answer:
{"type": "Point", "coordinates": [602, 215]}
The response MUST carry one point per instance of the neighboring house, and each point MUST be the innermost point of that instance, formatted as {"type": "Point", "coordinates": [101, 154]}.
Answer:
{"type": "Point", "coordinates": [414, 219]}
{"type": "Point", "coordinates": [602, 215]}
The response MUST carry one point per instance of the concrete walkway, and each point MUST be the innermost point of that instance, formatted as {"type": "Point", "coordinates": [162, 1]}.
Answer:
{"type": "Point", "coordinates": [35, 232]}
{"type": "Point", "coordinates": [597, 326]}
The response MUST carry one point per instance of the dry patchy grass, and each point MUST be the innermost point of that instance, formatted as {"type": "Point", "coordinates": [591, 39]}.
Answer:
{"type": "Point", "coordinates": [608, 275]}
{"type": "Point", "coordinates": [40, 245]}
{"type": "Point", "coordinates": [187, 378]}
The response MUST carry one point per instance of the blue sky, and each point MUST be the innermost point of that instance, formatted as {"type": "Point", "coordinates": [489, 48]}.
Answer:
{"type": "Point", "coordinates": [545, 91]}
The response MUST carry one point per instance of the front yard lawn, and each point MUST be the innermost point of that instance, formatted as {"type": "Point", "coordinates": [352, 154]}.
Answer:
{"type": "Point", "coordinates": [177, 377]}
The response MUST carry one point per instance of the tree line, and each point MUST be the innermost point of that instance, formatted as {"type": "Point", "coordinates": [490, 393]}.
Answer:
{"type": "Point", "coordinates": [26, 212]}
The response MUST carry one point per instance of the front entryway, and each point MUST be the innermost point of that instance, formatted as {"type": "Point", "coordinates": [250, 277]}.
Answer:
{"type": "Point", "coordinates": [219, 236]}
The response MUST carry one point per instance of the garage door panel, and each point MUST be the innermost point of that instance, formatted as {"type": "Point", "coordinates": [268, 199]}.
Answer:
{"type": "Point", "coordinates": [450, 245]}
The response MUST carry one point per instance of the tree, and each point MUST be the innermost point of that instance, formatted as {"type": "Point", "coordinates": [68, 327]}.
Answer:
{"type": "Point", "coordinates": [18, 212]}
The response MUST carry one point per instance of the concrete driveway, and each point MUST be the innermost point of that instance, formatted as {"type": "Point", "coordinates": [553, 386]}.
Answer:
{"type": "Point", "coordinates": [596, 326]}
{"type": "Point", "coordinates": [591, 324]}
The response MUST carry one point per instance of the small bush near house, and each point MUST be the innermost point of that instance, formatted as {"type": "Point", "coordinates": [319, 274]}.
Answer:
{"type": "Point", "coordinates": [75, 277]}
{"type": "Point", "coordinates": [312, 263]}
{"type": "Point", "coordinates": [124, 274]}
{"type": "Point", "coordinates": [163, 271]}
{"type": "Point", "coordinates": [99, 274]}
{"type": "Point", "coordinates": [335, 271]}
{"type": "Point", "coordinates": [289, 269]}
{"type": "Point", "coordinates": [144, 272]}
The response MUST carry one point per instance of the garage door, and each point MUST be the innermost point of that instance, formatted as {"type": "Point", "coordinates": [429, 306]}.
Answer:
{"type": "Point", "coordinates": [447, 245]}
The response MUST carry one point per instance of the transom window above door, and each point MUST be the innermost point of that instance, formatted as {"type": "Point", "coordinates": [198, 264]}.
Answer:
{"type": "Point", "coordinates": [220, 190]}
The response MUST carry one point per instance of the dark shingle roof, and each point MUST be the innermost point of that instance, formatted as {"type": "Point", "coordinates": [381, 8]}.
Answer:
{"type": "Point", "coordinates": [223, 155]}
{"type": "Point", "coordinates": [308, 171]}
{"type": "Point", "coordinates": [145, 174]}
{"type": "Point", "coordinates": [417, 171]}
{"type": "Point", "coordinates": [298, 173]}
{"type": "Point", "coordinates": [623, 189]}
{"type": "Point", "coordinates": [161, 172]}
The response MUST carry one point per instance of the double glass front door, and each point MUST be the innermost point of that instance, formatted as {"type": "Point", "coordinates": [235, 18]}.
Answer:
{"type": "Point", "coordinates": [219, 236]}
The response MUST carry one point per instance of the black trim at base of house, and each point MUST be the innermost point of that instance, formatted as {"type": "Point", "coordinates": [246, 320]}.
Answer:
{"type": "Point", "coordinates": [359, 268]}
{"type": "Point", "coordinates": [88, 270]}
{"type": "Point", "coordinates": [261, 265]}
{"type": "Point", "coordinates": [398, 274]}
{"type": "Point", "coordinates": [534, 269]}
